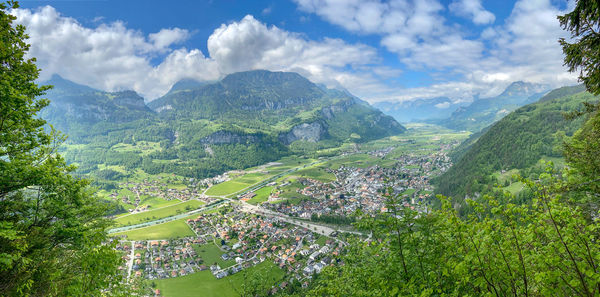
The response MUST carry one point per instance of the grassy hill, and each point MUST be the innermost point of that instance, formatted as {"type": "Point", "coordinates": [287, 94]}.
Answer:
{"type": "Point", "coordinates": [518, 141]}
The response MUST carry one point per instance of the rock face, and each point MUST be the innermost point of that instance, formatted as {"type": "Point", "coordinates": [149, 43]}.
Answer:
{"type": "Point", "coordinates": [386, 122]}
{"type": "Point", "coordinates": [312, 132]}
{"type": "Point", "coordinates": [330, 111]}
{"type": "Point", "coordinates": [276, 105]}
{"type": "Point", "coordinates": [81, 111]}
{"type": "Point", "coordinates": [129, 99]}
{"type": "Point", "coordinates": [227, 137]}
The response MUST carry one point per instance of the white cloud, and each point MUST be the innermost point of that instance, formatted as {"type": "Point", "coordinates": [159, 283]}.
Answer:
{"type": "Point", "coordinates": [166, 37]}
{"type": "Point", "coordinates": [472, 9]}
{"type": "Point", "coordinates": [443, 105]}
{"type": "Point", "coordinates": [267, 10]}
{"type": "Point", "coordinates": [523, 48]}
{"type": "Point", "coordinates": [113, 57]}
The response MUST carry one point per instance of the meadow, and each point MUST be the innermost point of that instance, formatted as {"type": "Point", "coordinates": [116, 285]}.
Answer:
{"type": "Point", "coordinates": [159, 213]}
{"type": "Point", "coordinates": [204, 284]}
{"type": "Point", "coordinates": [169, 230]}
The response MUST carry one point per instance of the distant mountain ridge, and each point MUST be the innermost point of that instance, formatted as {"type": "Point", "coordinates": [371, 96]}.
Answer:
{"type": "Point", "coordinates": [517, 141]}
{"type": "Point", "coordinates": [485, 111]}
{"type": "Point", "coordinates": [472, 116]}
{"type": "Point", "coordinates": [72, 104]}
{"type": "Point", "coordinates": [419, 109]}
{"type": "Point", "coordinates": [246, 119]}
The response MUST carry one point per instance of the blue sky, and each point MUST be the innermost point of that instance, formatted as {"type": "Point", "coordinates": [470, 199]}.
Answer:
{"type": "Point", "coordinates": [379, 50]}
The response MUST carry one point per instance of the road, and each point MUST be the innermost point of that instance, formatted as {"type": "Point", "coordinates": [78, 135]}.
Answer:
{"type": "Point", "coordinates": [131, 257]}
{"type": "Point", "coordinates": [171, 218]}
{"type": "Point", "coordinates": [320, 229]}
{"type": "Point", "coordinates": [325, 230]}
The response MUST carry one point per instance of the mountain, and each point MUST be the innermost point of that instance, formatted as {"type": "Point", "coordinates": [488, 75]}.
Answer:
{"type": "Point", "coordinates": [202, 129]}
{"type": "Point", "coordinates": [485, 111]}
{"type": "Point", "coordinates": [284, 105]}
{"type": "Point", "coordinates": [80, 111]}
{"type": "Point", "coordinates": [419, 109]}
{"type": "Point", "coordinates": [518, 141]}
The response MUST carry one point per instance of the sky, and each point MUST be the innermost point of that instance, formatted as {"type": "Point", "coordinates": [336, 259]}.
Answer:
{"type": "Point", "coordinates": [379, 50]}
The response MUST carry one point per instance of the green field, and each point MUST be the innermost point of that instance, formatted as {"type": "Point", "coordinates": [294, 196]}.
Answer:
{"type": "Point", "coordinates": [173, 229]}
{"type": "Point", "coordinates": [204, 284]}
{"type": "Point", "coordinates": [211, 254]}
{"type": "Point", "coordinates": [321, 240]}
{"type": "Point", "coordinates": [239, 183]}
{"type": "Point", "coordinates": [317, 173]}
{"type": "Point", "coordinates": [408, 192]}
{"type": "Point", "coordinates": [226, 188]}
{"type": "Point", "coordinates": [141, 147]}
{"type": "Point", "coordinates": [158, 213]}
{"type": "Point", "coordinates": [262, 195]}
{"type": "Point", "coordinates": [156, 202]}
{"type": "Point", "coordinates": [355, 160]}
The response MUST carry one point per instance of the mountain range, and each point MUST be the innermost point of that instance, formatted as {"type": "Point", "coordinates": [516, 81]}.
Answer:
{"type": "Point", "coordinates": [472, 116]}
{"type": "Point", "coordinates": [518, 141]}
{"type": "Point", "coordinates": [420, 109]}
{"type": "Point", "coordinates": [200, 129]}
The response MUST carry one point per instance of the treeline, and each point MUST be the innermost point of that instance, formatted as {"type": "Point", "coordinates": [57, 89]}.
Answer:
{"type": "Point", "coordinates": [333, 219]}
{"type": "Point", "coordinates": [518, 141]}
{"type": "Point", "coordinates": [542, 242]}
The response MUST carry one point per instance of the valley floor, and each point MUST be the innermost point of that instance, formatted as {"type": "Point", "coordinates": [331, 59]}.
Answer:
{"type": "Point", "coordinates": [289, 218]}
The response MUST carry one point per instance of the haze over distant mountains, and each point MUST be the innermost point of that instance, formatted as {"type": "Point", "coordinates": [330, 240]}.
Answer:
{"type": "Point", "coordinates": [464, 116]}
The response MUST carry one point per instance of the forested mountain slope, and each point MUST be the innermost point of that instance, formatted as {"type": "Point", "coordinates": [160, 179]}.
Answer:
{"type": "Point", "coordinates": [485, 111]}
{"type": "Point", "coordinates": [517, 141]}
{"type": "Point", "coordinates": [201, 129]}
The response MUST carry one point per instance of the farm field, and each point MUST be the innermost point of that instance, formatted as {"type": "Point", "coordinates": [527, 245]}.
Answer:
{"type": "Point", "coordinates": [239, 183]}
{"type": "Point", "coordinates": [169, 230]}
{"type": "Point", "coordinates": [262, 195]}
{"type": "Point", "coordinates": [211, 254]}
{"type": "Point", "coordinates": [158, 213]}
{"type": "Point", "coordinates": [204, 284]}
{"type": "Point", "coordinates": [317, 173]}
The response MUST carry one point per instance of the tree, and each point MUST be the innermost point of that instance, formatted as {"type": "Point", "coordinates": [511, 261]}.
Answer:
{"type": "Point", "coordinates": [53, 239]}
{"type": "Point", "coordinates": [583, 54]}
{"type": "Point", "coordinates": [582, 150]}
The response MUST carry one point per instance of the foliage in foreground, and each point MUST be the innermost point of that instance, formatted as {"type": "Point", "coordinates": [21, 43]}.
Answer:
{"type": "Point", "coordinates": [52, 229]}
{"type": "Point", "coordinates": [545, 248]}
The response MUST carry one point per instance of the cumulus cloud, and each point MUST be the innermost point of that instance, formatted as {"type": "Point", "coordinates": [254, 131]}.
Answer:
{"type": "Point", "coordinates": [113, 57]}
{"type": "Point", "coordinates": [443, 105]}
{"type": "Point", "coordinates": [166, 37]}
{"type": "Point", "coordinates": [474, 10]}
{"type": "Point", "coordinates": [523, 48]}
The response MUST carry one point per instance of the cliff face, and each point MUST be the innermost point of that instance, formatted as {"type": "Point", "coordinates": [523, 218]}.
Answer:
{"type": "Point", "coordinates": [331, 111]}
{"type": "Point", "coordinates": [227, 137]}
{"type": "Point", "coordinates": [312, 132]}
{"type": "Point", "coordinates": [129, 99]}
{"type": "Point", "coordinates": [276, 105]}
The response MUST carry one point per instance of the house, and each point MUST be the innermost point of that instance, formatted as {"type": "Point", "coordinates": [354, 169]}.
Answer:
{"type": "Point", "coordinates": [221, 274]}
{"type": "Point", "coordinates": [314, 255]}
{"type": "Point", "coordinates": [318, 267]}
{"type": "Point", "coordinates": [308, 270]}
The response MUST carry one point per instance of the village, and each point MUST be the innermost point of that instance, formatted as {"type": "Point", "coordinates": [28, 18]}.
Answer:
{"type": "Point", "coordinates": [365, 188]}
{"type": "Point", "coordinates": [228, 241]}
{"type": "Point", "coordinates": [161, 189]}
{"type": "Point", "coordinates": [281, 231]}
